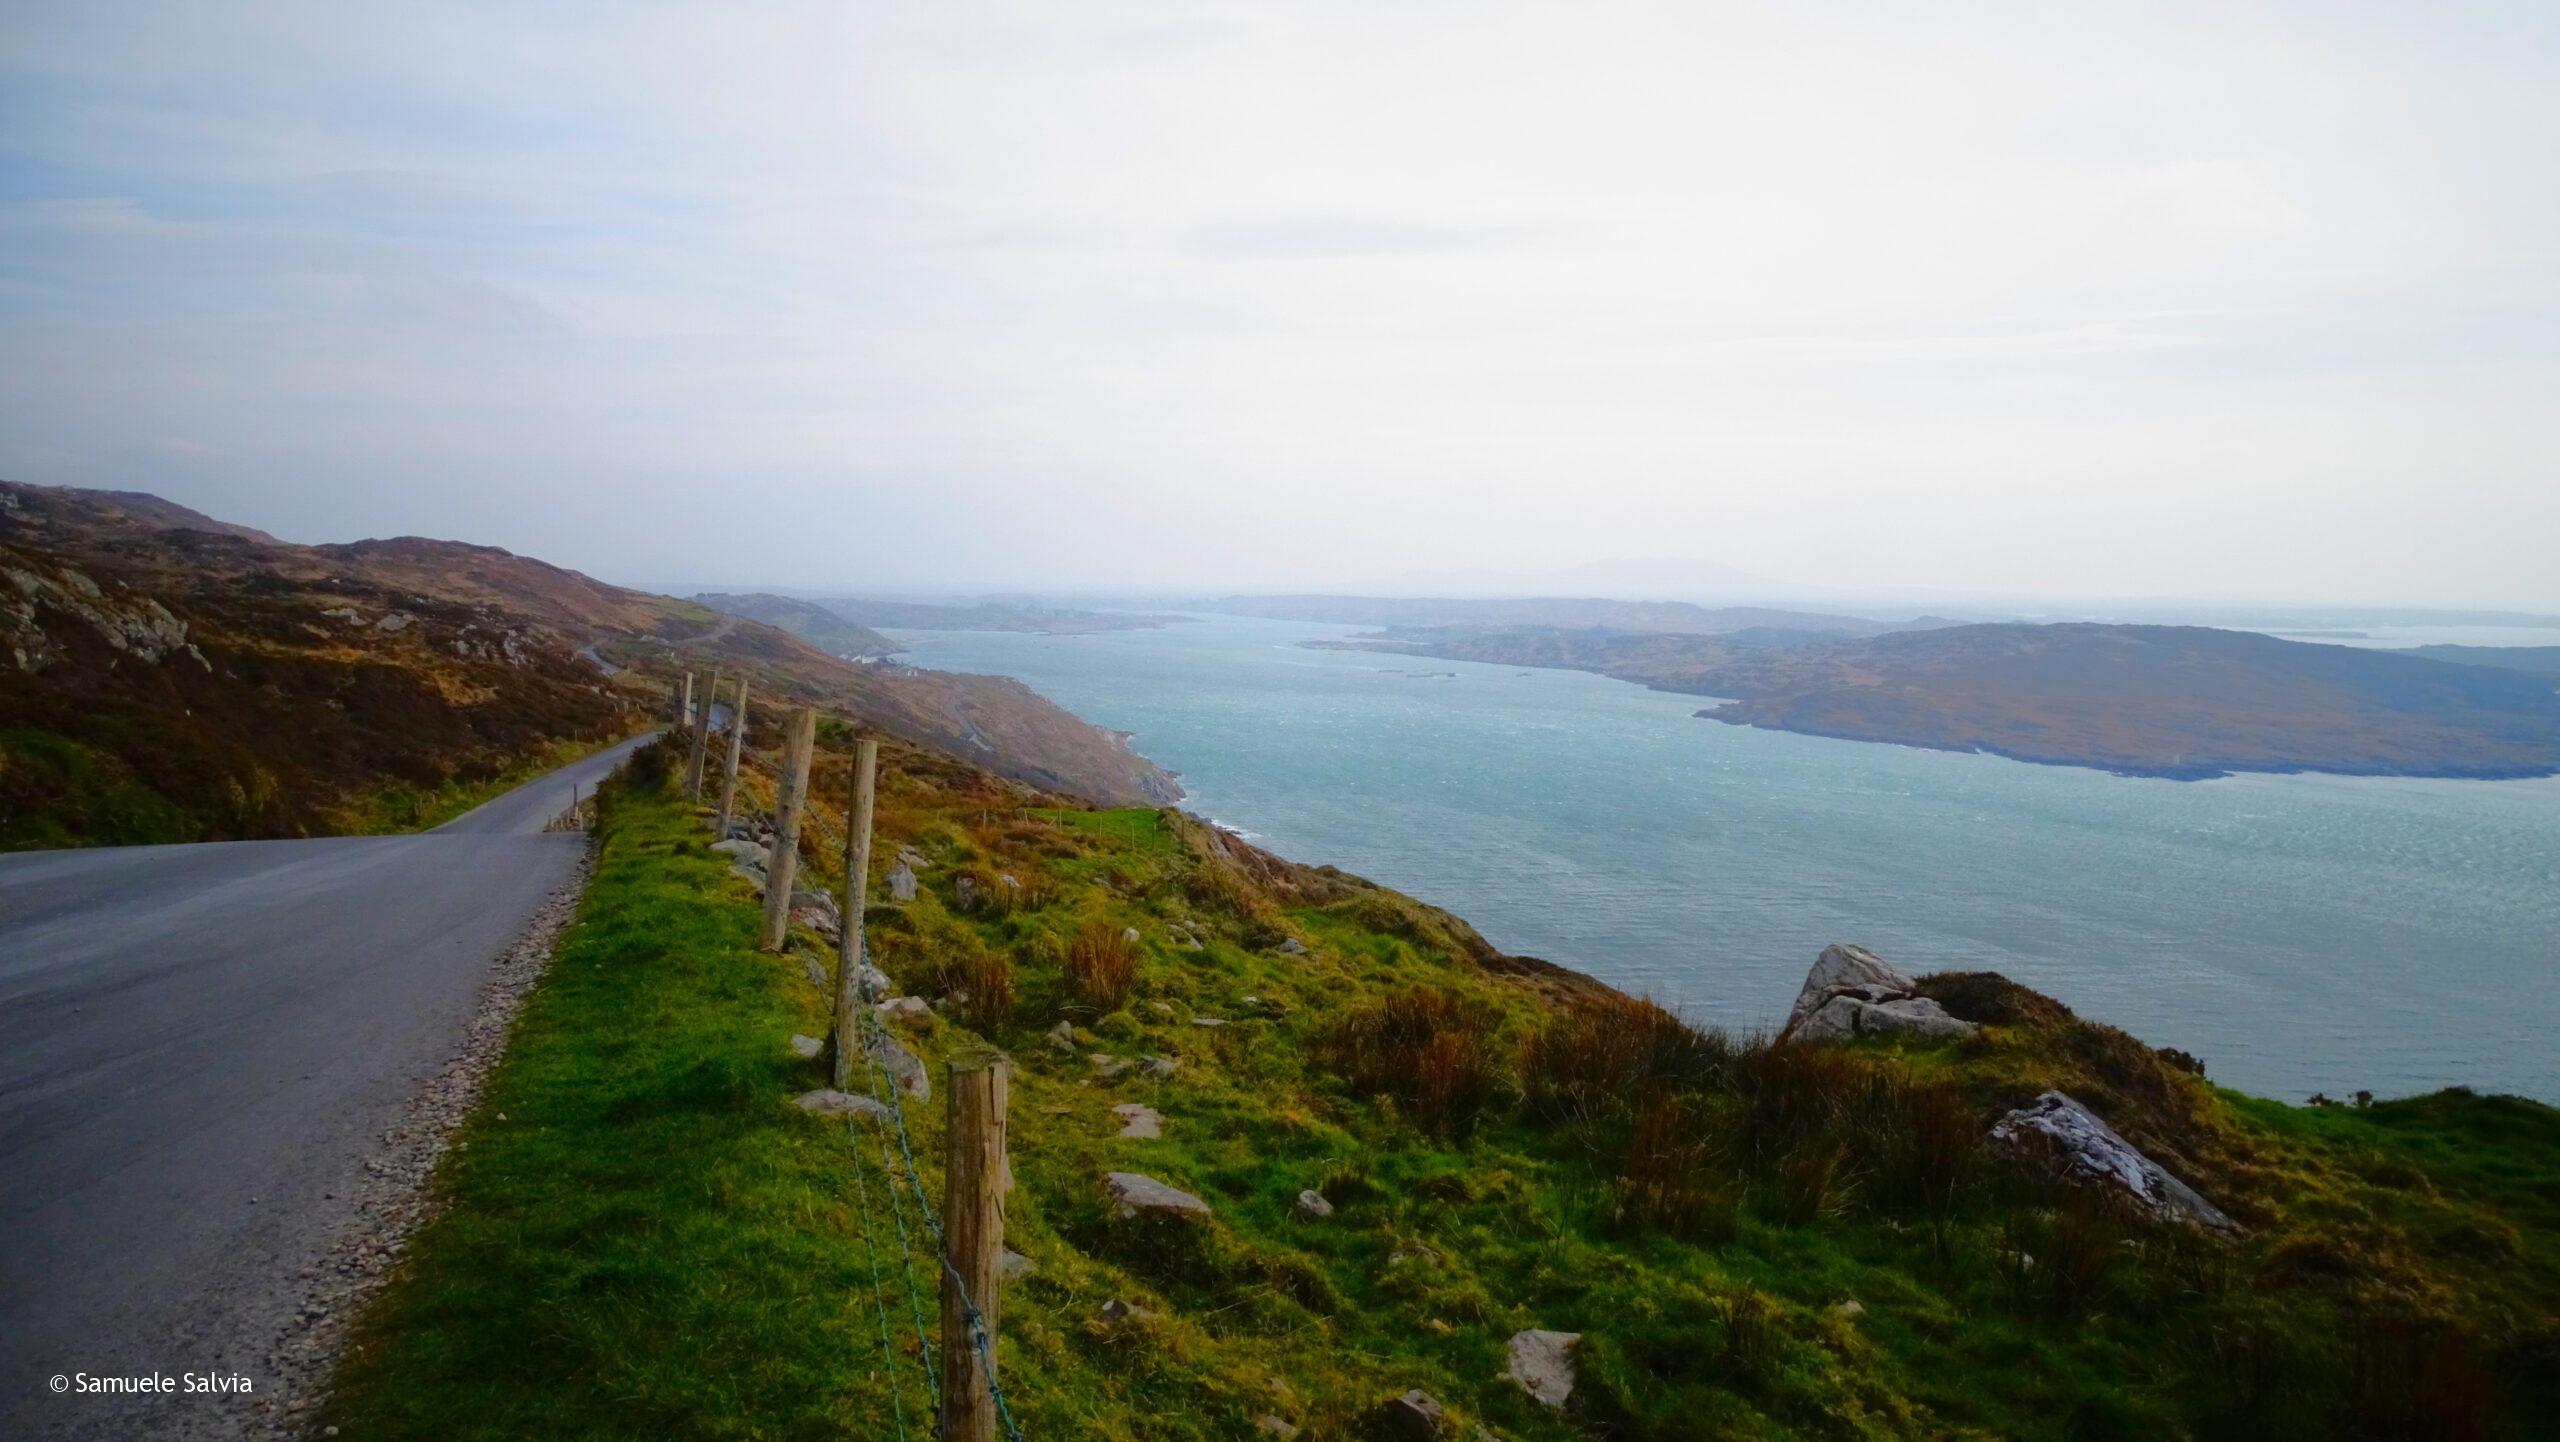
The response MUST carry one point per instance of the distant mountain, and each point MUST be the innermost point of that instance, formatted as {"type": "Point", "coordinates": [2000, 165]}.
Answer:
{"type": "Point", "coordinates": [2175, 701]}
{"type": "Point", "coordinates": [994, 614]}
{"type": "Point", "coordinates": [167, 677]}
{"type": "Point", "coordinates": [809, 621]}
{"type": "Point", "coordinates": [2532, 660]}
{"type": "Point", "coordinates": [1590, 613]}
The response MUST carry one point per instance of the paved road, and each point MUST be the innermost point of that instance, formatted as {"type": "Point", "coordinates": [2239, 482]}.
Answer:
{"type": "Point", "coordinates": [197, 1045]}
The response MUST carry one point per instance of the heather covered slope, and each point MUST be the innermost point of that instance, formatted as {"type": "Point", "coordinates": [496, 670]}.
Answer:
{"type": "Point", "coordinates": [2175, 701]}
{"type": "Point", "coordinates": [807, 620]}
{"type": "Point", "coordinates": [167, 677]}
{"type": "Point", "coordinates": [1753, 1241]}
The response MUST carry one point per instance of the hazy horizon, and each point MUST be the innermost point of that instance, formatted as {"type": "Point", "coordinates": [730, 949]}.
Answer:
{"type": "Point", "coordinates": [2231, 307]}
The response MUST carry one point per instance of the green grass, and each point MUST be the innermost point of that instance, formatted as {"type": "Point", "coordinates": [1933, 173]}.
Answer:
{"type": "Point", "coordinates": [55, 791]}
{"type": "Point", "coordinates": [399, 806]}
{"type": "Point", "coordinates": [655, 1243]}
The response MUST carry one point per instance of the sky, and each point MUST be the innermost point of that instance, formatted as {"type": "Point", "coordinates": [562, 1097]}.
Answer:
{"type": "Point", "coordinates": [2216, 300]}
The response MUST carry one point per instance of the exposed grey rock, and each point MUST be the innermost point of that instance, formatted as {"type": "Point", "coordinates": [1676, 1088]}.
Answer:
{"type": "Point", "coordinates": [827, 1102]}
{"type": "Point", "coordinates": [1131, 1193]}
{"type": "Point", "coordinates": [2086, 1150]}
{"type": "Point", "coordinates": [395, 623]}
{"type": "Point", "coordinates": [905, 1008]}
{"type": "Point", "coordinates": [1313, 1206]}
{"type": "Point", "coordinates": [901, 1064]}
{"type": "Point", "coordinates": [1139, 1121]}
{"type": "Point", "coordinates": [751, 874]}
{"type": "Point", "coordinates": [1116, 1310]}
{"type": "Point", "coordinates": [1107, 1066]}
{"type": "Point", "coordinates": [1542, 1363]}
{"type": "Point", "coordinates": [1129, 934]}
{"type": "Point", "coordinates": [816, 971]}
{"type": "Point", "coordinates": [1013, 1266]}
{"type": "Point", "coordinates": [902, 882]}
{"type": "Point", "coordinates": [1850, 1310]}
{"type": "Point", "coordinates": [739, 849]}
{"type": "Point", "coordinates": [805, 1047]}
{"type": "Point", "coordinates": [1207, 1021]}
{"type": "Point", "coordinates": [1413, 1415]}
{"type": "Point", "coordinates": [1062, 1038]}
{"type": "Point", "coordinates": [1277, 1426]}
{"type": "Point", "coordinates": [1293, 947]}
{"type": "Point", "coordinates": [1159, 1067]}
{"type": "Point", "coordinates": [964, 891]}
{"type": "Point", "coordinates": [1852, 992]}
{"type": "Point", "coordinates": [1844, 1017]}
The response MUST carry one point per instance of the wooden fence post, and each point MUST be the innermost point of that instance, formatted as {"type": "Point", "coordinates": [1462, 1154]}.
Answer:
{"type": "Point", "coordinates": [684, 704]}
{"type": "Point", "coordinates": [729, 771]}
{"type": "Point", "coordinates": [973, 1230]}
{"type": "Point", "coordinates": [857, 878]}
{"type": "Point", "coordinates": [701, 741]}
{"type": "Point", "coordinates": [784, 865]}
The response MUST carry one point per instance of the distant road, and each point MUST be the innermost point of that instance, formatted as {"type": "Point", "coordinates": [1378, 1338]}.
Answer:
{"type": "Point", "coordinates": [197, 1045]}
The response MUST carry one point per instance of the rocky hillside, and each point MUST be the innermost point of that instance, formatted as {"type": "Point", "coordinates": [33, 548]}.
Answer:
{"type": "Point", "coordinates": [2187, 702]}
{"type": "Point", "coordinates": [1297, 1156]}
{"type": "Point", "coordinates": [807, 620]}
{"type": "Point", "coordinates": [169, 677]}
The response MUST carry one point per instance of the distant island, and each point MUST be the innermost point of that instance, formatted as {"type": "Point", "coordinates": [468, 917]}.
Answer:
{"type": "Point", "coordinates": [1670, 618]}
{"type": "Point", "coordinates": [990, 615]}
{"type": "Point", "coordinates": [813, 623]}
{"type": "Point", "coordinates": [2182, 702]}
{"type": "Point", "coordinates": [2531, 660]}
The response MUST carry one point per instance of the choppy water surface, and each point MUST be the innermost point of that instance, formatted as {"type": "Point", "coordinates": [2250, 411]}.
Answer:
{"type": "Point", "coordinates": [2299, 933]}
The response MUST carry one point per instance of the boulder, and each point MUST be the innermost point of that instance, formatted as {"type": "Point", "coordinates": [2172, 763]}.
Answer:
{"type": "Point", "coordinates": [1313, 1206]}
{"type": "Point", "coordinates": [1277, 1426]}
{"type": "Point", "coordinates": [1159, 1067]}
{"type": "Point", "coordinates": [1853, 992]}
{"type": "Point", "coordinates": [1129, 934]}
{"type": "Point", "coordinates": [821, 920]}
{"type": "Point", "coordinates": [2079, 1144]}
{"type": "Point", "coordinates": [964, 892]}
{"type": "Point", "coordinates": [1116, 1310]}
{"type": "Point", "coordinates": [1131, 1193]}
{"type": "Point", "coordinates": [805, 1047]}
{"type": "Point", "coordinates": [1293, 947]}
{"type": "Point", "coordinates": [1139, 1121]}
{"type": "Point", "coordinates": [1542, 1363]}
{"type": "Point", "coordinates": [901, 1065]}
{"type": "Point", "coordinates": [902, 882]}
{"type": "Point", "coordinates": [745, 851]}
{"type": "Point", "coordinates": [1013, 1266]}
{"type": "Point", "coordinates": [905, 1008]}
{"type": "Point", "coordinates": [1062, 1038]}
{"type": "Point", "coordinates": [816, 971]}
{"type": "Point", "coordinates": [1413, 1416]}
{"type": "Point", "coordinates": [827, 1102]}
{"type": "Point", "coordinates": [1107, 1066]}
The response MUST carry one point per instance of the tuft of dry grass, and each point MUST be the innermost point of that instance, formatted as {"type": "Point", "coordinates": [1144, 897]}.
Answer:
{"type": "Point", "coordinates": [1428, 1048]}
{"type": "Point", "coordinates": [1668, 1180]}
{"type": "Point", "coordinates": [984, 979]}
{"type": "Point", "coordinates": [1101, 965]}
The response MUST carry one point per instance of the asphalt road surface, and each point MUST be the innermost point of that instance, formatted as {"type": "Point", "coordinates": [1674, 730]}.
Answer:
{"type": "Point", "coordinates": [197, 1043]}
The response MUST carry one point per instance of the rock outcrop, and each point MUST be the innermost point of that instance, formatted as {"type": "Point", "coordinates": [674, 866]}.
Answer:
{"type": "Point", "coordinates": [1853, 992]}
{"type": "Point", "coordinates": [1542, 1363]}
{"type": "Point", "coordinates": [2079, 1145]}
{"type": "Point", "coordinates": [1131, 1193]}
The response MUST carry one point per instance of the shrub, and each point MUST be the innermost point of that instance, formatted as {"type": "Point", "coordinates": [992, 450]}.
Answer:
{"type": "Point", "coordinates": [1101, 965]}
{"type": "Point", "coordinates": [1668, 1180]}
{"type": "Point", "coordinates": [986, 979]}
{"type": "Point", "coordinates": [1426, 1047]}
{"type": "Point", "coordinates": [1752, 1345]}
{"type": "Point", "coordinates": [1599, 1057]}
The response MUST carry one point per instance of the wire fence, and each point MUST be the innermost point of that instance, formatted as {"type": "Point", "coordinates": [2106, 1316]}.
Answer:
{"type": "Point", "coordinates": [895, 1167]}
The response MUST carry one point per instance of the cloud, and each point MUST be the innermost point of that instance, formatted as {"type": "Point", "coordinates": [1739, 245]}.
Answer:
{"type": "Point", "coordinates": [1349, 237]}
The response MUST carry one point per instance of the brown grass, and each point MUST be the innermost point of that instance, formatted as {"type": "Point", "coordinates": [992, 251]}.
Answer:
{"type": "Point", "coordinates": [1428, 1048]}
{"type": "Point", "coordinates": [1668, 1180]}
{"type": "Point", "coordinates": [1101, 965]}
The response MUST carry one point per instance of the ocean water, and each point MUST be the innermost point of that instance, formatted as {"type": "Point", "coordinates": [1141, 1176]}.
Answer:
{"type": "Point", "coordinates": [2298, 933]}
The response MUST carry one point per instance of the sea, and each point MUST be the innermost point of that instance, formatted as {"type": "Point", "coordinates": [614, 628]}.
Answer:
{"type": "Point", "coordinates": [2300, 934]}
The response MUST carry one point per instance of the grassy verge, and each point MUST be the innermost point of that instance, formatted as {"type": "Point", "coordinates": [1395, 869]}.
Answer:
{"type": "Point", "coordinates": [653, 1242]}
{"type": "Point", "coordinates": [402, 807]}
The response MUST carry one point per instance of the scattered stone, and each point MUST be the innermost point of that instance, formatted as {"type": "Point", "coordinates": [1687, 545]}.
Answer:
{"type": "Point", "coordinates": [2084, 1149]}
{"type": "Point", "coordinates": [806, 1047]}
{"type": "Point", "coordinates": [902, 1065]}
{"type": "Point", "coordinates": [1853, 992]}
{"type": "Point", "coordinates": [905, 1008]}
{"type": "Point", "coordinates": [1013, 1266]}
{"type": "Point", "coordinates": [964, 891]}
{"type": "Point", "coordinates": [902, 882]}
{"type": "Point", "coordinates": [741, 850]}
{"type": "Point", "coordinates": [1313, 1206]}
{"type": "Point", "coordinates": [1159, 1067]}
{"type": "Point", "coordinates": [1294, 947]}
{"type": "Point", "coordinates": [1207, 1021]}
{"type": "Point", "coordinates": [1062, 1038]}
{"type": "Point", "coordinates": [816, 970]}
{"type": "Point", "coordinates": [1850, 1310]}
{"type": "Point", "coordinates": [1413, 1415]}
{"type": "Point", "coordinates": [395, 623]}
{"type": "Point", "coordinates": [828, 1102]}
{"type": "Point", "coordinates": [1140, 1121]}
{"type": "Point", "coordinates": [1131, 1193]}
{"type": "Point", "coordinates": [1107, 1066]}
{"type": "Point", "coordinates": [1161, 1008]}
{"type": "Point", "coordinates": [1116, 1311]}
{"type": "Point", "coordinates": [1542, 1363]}
{"type": "Point", "coordinates": [1280, 1427]}
{"type": "Point", "coordinates": [744, 872]}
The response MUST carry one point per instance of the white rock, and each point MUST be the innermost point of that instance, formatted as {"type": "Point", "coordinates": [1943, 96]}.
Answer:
{"type": "Point", "coordinates": [1844, 1017]}
{"type": "Point", "coordinates": [901, 1064]}
{"type": "Point", "coordinates": [1131, 1193]}
{"type": "Point", "coordinates": [1159, 1067]}
{"type": "Point", "coordinates": [1846, 968]}
{"type": "Point", "coordinates": [805, 1047]}
{"type": "Point", "coordinates": [1313, 1206]}
{"type": "Point", "coordinates": [828, 1102]}
{"type": "Point", "coordinates": [1062, 1038]}
{"type": "Point", "coordinates": [1139, 1121]}
{"type": "Point", "coordinates": [1012, 1265]}
{"type": "Point", "coordinates": [1542, 1363]}
{"type": "Point", "coordinates": [2088, 1151]}
{"type": "Point", "coordinates": [905, 1008]}
{"type": "Point", "coordinates": [738, 849]}
{"type": "Point", "coordinates": [902, 882]}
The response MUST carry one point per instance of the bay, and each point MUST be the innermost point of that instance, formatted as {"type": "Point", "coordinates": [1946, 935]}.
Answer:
{"type": "Point", "coordinates": [2299, 933]}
